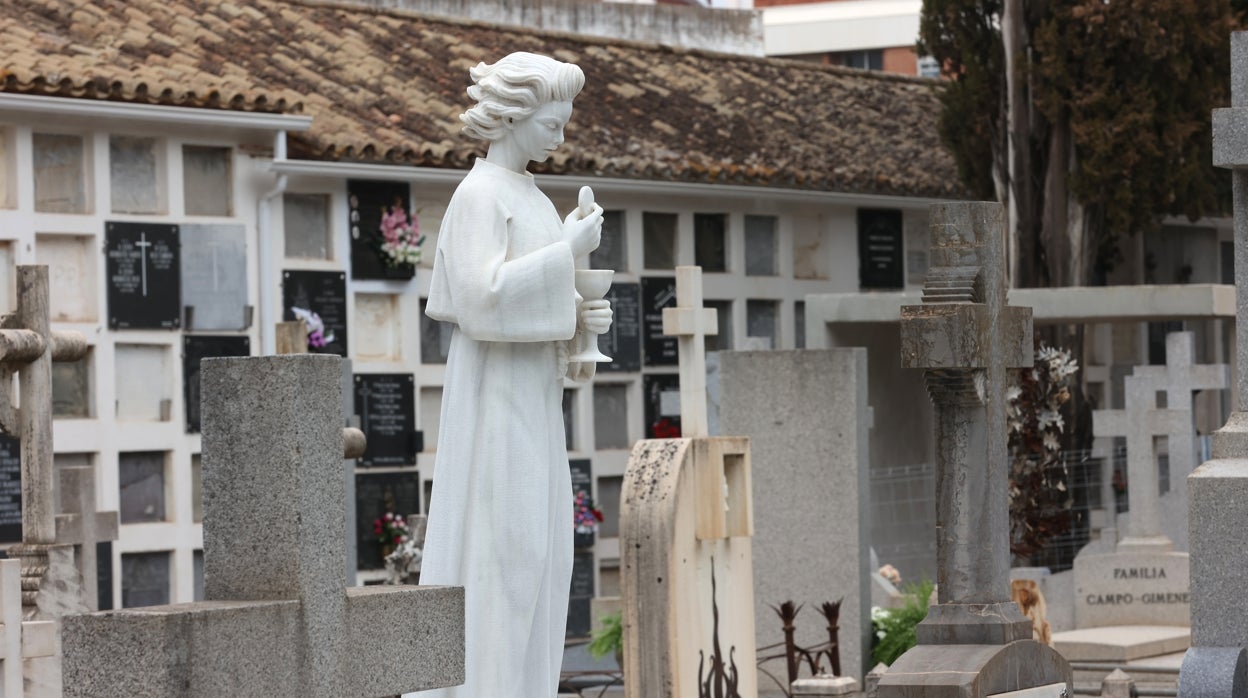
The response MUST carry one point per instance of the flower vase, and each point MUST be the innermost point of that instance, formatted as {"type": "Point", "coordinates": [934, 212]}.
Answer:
{"type": "Point", "coordinates": [386, 550]}
{"type": "Point", "coordinates": [581, 541]}
{"type": "Point", "coordinates": [400, 272]}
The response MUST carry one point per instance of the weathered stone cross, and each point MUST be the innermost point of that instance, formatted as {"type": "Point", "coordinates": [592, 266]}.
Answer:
{"type": "Point", "coordinates": [28, 347]}
{"type": "Point", "coordinates": [1139, 423]}
{"type": "Point", "coordinates": [966, 337]}
{"type": "Point", "coordinates": [1178, 378]}
{"type": "Point", "coordinates": [691, 323]}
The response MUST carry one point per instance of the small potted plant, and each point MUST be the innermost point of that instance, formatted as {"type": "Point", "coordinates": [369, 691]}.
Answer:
{"type": "Point", "coordinates": [609, 639]}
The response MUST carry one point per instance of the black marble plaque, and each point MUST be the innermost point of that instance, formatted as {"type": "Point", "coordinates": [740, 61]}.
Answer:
{"type": "Point", "coordinates": [376, 494]}
{"type": "Point", "coordinates": [324, 293]}
{"type": "Point", "coordinates": [367, 200]}
{"type": "Point", "coordinates": [662, 396]}
{"type": "Point", "coordinates": [623, 341]}
{"type": "Point", "coordinates": [581, 594]}
{"type": "Point", "coordinates": [196, 348]}
{"type": "Point", "coordinates": [657, 293]}
{"type": "Point", "coordinates": [386, 406]}
{"type": "Point", "coordinates": [144, 276]}
{"type": "Point", "coordinates": [10, 489]}
{"type": "Point", "coordinates": [881, 250]}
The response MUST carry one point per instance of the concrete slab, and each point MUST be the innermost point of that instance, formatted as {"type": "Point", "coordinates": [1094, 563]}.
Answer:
{"type": "Point", "coordinates": [1121, 643]}
{"type": "Point", "coordinates": [1049, 305]}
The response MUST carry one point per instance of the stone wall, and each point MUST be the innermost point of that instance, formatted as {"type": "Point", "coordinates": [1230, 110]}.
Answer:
{"type": "Point", "coordinates": [729, 31]}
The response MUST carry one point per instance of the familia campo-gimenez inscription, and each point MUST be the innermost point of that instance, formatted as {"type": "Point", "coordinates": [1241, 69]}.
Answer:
{"type": "Point", "coordinates": [1132, 589]}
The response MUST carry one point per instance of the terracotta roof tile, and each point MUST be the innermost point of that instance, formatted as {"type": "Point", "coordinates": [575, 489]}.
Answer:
{"type": "Point", "coordinates": [388, 86]}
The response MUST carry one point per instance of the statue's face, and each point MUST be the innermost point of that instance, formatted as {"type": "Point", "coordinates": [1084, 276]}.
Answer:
{"type": "Point", "coordinates": [539, 135]}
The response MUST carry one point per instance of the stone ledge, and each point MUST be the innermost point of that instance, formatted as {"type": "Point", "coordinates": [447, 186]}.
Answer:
{"type": "Point", "coordinates": [215, 648]}
{"type": "Point", "coordinates": [1121, 643]}
{"type": "Point", "coordinates": [404, 638]}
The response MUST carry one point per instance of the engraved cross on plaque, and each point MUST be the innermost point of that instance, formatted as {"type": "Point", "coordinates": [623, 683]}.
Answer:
{"type": "Point", "coordinates": [689, 322]}
{"type": "Point", "coordinates": [965, 336]}
{"type": "Point", "coordinates": [143, 244]}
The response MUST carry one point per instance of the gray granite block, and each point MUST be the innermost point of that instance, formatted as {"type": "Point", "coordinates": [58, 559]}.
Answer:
{"type": "Point", "coordinates": [1214, 672]}
{"type": "Point", "coordinates": [805, 412]}
{"type": "Point", "coordinates": [274, 498]}
{"type": "Point", "coordinates": [974, 671]}
{"type": "Point", "coordinates": [193, 650]}
{"type": "Point", "coordinates": [404, 638]}
{"type": "Point", "coordinates": [1218, 512]}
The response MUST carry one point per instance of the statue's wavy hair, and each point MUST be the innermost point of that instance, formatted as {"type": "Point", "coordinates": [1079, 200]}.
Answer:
{"type": "Point", "coordinates": [515, 87]}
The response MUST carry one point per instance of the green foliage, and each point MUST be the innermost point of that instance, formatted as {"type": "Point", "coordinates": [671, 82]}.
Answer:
{"type": "Point", "coordinates": [894, 627]}
{"type": "Point", "coordinates": [965, 36]}
{"type": "Point", "coordinates": [608, 639]}
{"type": "Point", "coordinates": [1131, 81]}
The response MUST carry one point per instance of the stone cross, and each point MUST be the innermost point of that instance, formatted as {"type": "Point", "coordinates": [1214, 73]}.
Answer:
{"type": "Point", "coordinates": [691, 323]}
{"type": "Point", "coordinates": [278, 619]}
{"type": "Point", "coordinates": [1218, 489]}
{"type": "Point", "coordinates": [1139, 423]}
{"type": "Point", "coordinates": [966, 337]}
{"type": "Point", "coordinates": [27, 348]}
{"type": "Point", "coordinates": [976, 641]}
{"type": "Point", "coordinates": [81, 525]}
{"type": "Point", "coordinates": [1178, 378]}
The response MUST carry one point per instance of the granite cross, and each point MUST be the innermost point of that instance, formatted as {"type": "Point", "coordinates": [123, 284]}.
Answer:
{"type": "Point", "coordinates": [1139, 423]}
{"type": "Point", "coordinates": [690, 323]}
{"type": "Point", "coordinates": [81, 525]}
{"type": "Point", "coordinates": [966, 337]}
{"type": "Point", "coordinates": [1178, 378]}
{"type": "Point", "coordinates": [279, 618]}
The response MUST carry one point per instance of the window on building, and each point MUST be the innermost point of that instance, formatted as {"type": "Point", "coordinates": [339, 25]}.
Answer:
{"type": "Point", "coordinates": [710, 247]}
{"type": "Point", "coordinates": [761, 321]}
{"type": "Point", "coordinates": [142, 478]}
{"type": "Point", "coordinates": [611, 416]}
{"type": "Point", "coordinates": [722, 340]}
{"type": "Point", "coordinates": [207, 181]}
{"type": "Point", "coordinates": [145, 579]}
{"type": "Point", "coordinates": [658, 232]}
{"type": "Point", "coordinates": [760, 246]}
{"type": "Point", "coordinates": [60, 173]}
{"type": "Point", "coordinates": [306, 226]}
{"type": "Point", "coordinates": [870, 59]}
{"type": "Point", "coordinates": [612, 252]}
{"type": "Point", "coordinates": [135, 175]}
{"type": "Point", "coordinates": [799, 324]}
{"type": "Point", "coordinates": [928, 67]}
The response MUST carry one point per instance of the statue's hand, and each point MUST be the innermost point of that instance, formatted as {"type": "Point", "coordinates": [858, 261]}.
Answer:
{"type": "Point", "coordinates": [583, 234]}
{"type": "Point", "coordinates": [596, 316]}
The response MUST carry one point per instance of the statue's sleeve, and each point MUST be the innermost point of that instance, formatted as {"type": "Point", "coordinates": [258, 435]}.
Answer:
{"type": "Point", "coordinates": [530, 298]}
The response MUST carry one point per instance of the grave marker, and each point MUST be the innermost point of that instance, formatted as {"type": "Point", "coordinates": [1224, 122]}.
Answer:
{"type": "Point", "coordinates": [686, 519]}
{"type": "Point", "coordinates": [386, 406]}
{"type": "Point", "coordinates": [196, 348]}
{"type": "Point", "coordinates": [278, 619]}
{"type": "Point", "coordinates": [214, 277]}
{"type": "Point", "coordinates": [975, 642]}
{"type": "Point", "coordinates": [143, 276]}
{"type": "Point", "coordinates": [1218, 489]}
{"type": "Point", "coordinates": [324, 293]}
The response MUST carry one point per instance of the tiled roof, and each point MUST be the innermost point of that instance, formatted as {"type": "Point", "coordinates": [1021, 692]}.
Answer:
{"type": "Point", "coordinates": [388, 86]}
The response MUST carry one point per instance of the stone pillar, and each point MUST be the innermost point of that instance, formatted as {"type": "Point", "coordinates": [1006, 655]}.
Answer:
{"type": "Point", "coordinates": [272, 425]}
{"type": "Point", "coordinates": [805, 413]}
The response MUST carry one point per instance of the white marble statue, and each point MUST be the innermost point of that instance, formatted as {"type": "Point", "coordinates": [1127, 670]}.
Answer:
{"type": "Point", "coordinates": [500, 516]}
